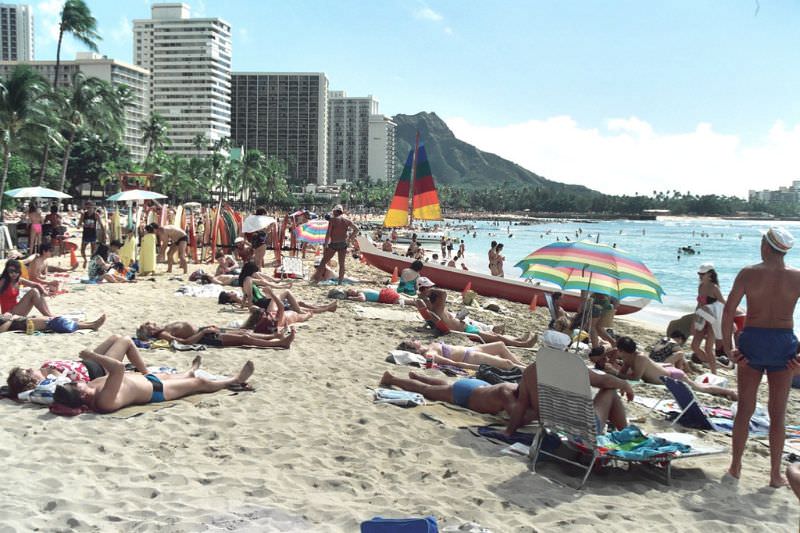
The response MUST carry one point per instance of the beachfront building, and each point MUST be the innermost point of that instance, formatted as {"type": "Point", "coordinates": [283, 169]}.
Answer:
{"type": "Point", "coordinates": [190, 62]}
{"type": "Point", "coordinates": [381, 160]}
{"type": "Point", "coordinates": [348, 136]}
{"type": "Point", "coordinates": [116, 73]}
{"type": "Point", "coordinates": [784, 195]}
{"type": "Point", "coordinates": [16, 32]}
{"type": "Point", "coordinates": [285, 115]}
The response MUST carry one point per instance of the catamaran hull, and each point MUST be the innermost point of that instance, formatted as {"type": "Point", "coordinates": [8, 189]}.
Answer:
{"type": "Point", "coordinates": [483, 284]}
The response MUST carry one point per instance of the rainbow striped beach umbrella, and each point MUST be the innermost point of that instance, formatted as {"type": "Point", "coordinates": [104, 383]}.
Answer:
{"type": "Point", "coordinates": [594, 267]}
{"type": "Point", "coordinates": [312, 232]}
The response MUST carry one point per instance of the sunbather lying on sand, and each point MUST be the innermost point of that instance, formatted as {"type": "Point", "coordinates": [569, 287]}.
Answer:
{"type": "Point", "coordinates": [471, 357]}
{"type": "Point", "coordinates": [435, 301]}
{"type": "Point", "coordinates": [608, 406]}
{"type": "Point", "coordinates": [118, 389]}
{"type": "Point", "coordinates": [115, 346]}
{"type": "Point", "coordinates": [383, 296]}
{"type": "Point", "coordinates": [636, 365]}
{"type": "Point", "coordinates": [185, 333]}
{"type": "Point", "coordinates": [57, 324]}
{"type": "Point", "coordinates": [474, 394]}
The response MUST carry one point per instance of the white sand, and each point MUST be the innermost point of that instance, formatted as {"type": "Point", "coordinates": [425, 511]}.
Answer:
{"type": "Point", "coordinates": [308, 451]}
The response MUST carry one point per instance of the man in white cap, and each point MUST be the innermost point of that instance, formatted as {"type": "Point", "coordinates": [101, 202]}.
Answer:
{"type": "Point", "coordinates": [339, 232]}
{"type": "Point", "coordinates": [767, 344]}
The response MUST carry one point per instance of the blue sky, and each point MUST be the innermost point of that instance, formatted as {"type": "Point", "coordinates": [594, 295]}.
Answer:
{"type": "Point", "coordinates": [624, 96]}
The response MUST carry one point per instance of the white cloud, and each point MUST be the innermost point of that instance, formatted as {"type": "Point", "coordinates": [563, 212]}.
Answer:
{"type": "Point", "coordinates": [628, 155]}
{"type": "Point", "coordinates": [426, 13]}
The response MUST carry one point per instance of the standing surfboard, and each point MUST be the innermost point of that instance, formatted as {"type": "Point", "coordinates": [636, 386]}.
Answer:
{"type": "Point", "coordinates": [147, 254]}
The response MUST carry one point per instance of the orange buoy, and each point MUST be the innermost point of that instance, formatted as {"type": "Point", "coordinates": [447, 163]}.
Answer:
{"type": "Point", "coordinates": [467, 288]}
{"type": "Point", "coordinates": [395, 275]}
{"type": "Point", "coordinates": [534, 302]}
{"type": "Point", "coordinates": [73, 260]}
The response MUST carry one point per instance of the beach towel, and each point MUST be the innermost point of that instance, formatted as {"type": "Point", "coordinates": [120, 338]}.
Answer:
{"type": "Point", "coordinates": [631, 444]}
{"type": "Point", "coordinates": [400, 525]}
{"type": "Point", "coordinates": [204, 291]}
{"type": "Point", "coordinates": [179, 347]}
{"type": "Point", "coordinates": [398, 397]}
{"type": "Point", "coordinates": [711, 314]}
{"type": "Point", "coordinates": [402, 357]}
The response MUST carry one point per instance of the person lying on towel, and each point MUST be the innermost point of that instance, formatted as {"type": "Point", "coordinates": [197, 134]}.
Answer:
{"type": "Point", "coordinates": [118, 389]}
{"type": "Point", "coordinates": [185, 333]}
{"type": "Point", "coordinates": [115, 346]}
{"type": "Point", "coordinates": [56, 324]}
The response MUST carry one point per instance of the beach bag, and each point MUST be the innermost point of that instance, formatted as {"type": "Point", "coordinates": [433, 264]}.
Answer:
{"type": "Point", "coordinates": [62, 324]}
{"type": "Point", "coordinates": [400, 525]}
{"type": "Point", "coordinates": [494, 375]}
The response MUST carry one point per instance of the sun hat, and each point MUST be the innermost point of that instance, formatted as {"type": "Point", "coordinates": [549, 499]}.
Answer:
{"type": "Point", "coordinates": [705, 267]}
{"type": "Point", "coordinates": [422, 281]}
{"type": "Point", "coordinates": [779, 238]}
{"type": "Point", "coordinates": [237, 240]}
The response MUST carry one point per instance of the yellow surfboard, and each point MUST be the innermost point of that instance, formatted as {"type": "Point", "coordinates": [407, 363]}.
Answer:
{"type": "Point", "coordinates": [147, 253]}
{"type": "Point", "coordinates": [179, 221]}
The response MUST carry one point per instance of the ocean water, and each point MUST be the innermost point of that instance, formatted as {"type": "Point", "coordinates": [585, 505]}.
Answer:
{"type": "Point", "coordinates": [729, 244]}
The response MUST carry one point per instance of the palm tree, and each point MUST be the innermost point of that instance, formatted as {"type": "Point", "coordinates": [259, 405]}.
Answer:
{"type": "Point", "coordinates": [251, 172]}
{"type": "Point", "coordinates": [154, 134]}
{"type": "Point", "coordinates": [77, 20]}
{"type": "Point", "coordinates": [19, 114]}
{"type": "Point", "coordinates": [94, 104]}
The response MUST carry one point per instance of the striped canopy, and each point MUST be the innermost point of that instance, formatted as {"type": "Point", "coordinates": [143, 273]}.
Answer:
{"type": "Point", "coordinates": [312, 232]}
{"type": "Point", "coordinates": [594, 267]}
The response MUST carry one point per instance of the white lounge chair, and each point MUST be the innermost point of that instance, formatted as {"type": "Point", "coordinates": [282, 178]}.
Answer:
{"type": "Point", "coordinates": [291, 267]}
{"type": "Point", "coordinates": [566, 406]}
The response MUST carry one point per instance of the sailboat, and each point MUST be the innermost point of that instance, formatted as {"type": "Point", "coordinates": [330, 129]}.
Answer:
{"type": "Point", "coordinates": [416, 178]}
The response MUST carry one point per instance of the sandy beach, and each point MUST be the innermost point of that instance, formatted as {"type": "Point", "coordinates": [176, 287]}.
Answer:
{"type": "Point", "coordinates": [310, 451]}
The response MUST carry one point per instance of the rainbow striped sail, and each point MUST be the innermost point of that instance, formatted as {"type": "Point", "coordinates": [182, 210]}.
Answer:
{"type": "Point", "coordinates": [397, 215]}
{"type": "Point", "coordinates": [425, 203]}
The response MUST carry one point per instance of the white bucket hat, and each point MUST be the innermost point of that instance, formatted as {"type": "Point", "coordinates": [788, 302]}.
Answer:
{"type": "Point", "coordinates": [779, 238]}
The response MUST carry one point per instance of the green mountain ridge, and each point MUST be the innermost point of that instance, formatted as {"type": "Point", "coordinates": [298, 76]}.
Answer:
{"type": "Point", "coordinates": [456, 163]}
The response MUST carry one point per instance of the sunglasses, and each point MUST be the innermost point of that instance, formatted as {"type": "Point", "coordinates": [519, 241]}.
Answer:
{"type": "Point", "coordinates": [12, 271]}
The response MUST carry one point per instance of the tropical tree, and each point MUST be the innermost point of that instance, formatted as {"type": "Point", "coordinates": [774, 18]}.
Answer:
{"type": "Point", "coordinates": [76, 20]}
{"type": "Point", "coordinates": [19, 114]}
{"type": "Point", "coordinates": [154, 134]}
{"type": "Point", "coordinates": [93, 104]}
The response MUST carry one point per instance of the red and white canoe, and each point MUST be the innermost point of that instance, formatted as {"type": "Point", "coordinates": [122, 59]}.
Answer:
{"type": "Point", "coordinates": [483, 284]}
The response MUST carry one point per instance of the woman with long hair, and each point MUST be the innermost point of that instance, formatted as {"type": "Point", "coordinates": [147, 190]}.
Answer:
{"type": "Point", "coordinates": [10, 281]}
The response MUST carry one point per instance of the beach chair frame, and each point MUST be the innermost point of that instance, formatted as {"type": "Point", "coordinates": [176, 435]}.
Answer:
{"type": "Point", "coordinates": [688, 403]}
{"type": "Point", "coordinates": [291, 266]}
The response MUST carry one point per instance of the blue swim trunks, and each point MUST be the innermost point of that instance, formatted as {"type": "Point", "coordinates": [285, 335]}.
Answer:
{"type": "Point", "coordinates": [158, 388]}
{"type": "Point", "coordinates": [768, 349]}
{"type": "Point", "coordinates": [462, 390]}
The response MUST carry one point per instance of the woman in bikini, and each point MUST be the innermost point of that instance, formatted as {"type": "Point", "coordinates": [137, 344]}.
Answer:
{"type": "Point", "coordinates": [35, 230]}
{"type": "Point", "coordinates": [10, 281]}
{"type": "Point", "coordinates": [58, 324]}
{"type": "Point", "coordinates": [492, 259]}
{"type": "Point", "coordinates": [494, 353]}
{"type": "Point", "coordinates": [708, 294]}
{"type": "Point", "coordinates": [185, 333]}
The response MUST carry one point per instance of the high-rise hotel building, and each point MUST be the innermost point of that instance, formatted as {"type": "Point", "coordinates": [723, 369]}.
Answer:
{"type": "Point", "coordinates": [284, 114]}
{"type": "Point", "coordinates": [16, 33]}
{"type": "Point", "coordinates": [190, 63]}
{"type": "Point", "coordinates": [115, 72]}
{"type": "Point", "coordinates": [360, 141]}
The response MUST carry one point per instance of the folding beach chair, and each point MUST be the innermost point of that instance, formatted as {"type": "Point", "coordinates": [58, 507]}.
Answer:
{"type": "Point", "coordinates": [566, 406]}
{"type": "Point", "coordinates": [291, 267]}
{"type": "Point", "coordinates": [692, 414]}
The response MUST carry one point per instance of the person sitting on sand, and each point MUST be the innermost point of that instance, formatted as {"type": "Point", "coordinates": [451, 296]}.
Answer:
{"type": "Point", "coordinates": [495, 354]}
{"type": "Point", "coordinates": [608, 406]}
{"type": "Point", "coordinates": [435, 301]}
{"type": "Point", "coordinates": [57, 324]}
{"type": "Point", "coordinates": [384, 296]}
{"type": "Point", "coordinates": [178, 241]}
{"type": "Point", "coordinates": [118, 389]}
{"type": "Point", "coordinates": [407, 284]}
{"type": "Point", "coordinates": [38, 267]}
{"type": "Point", "coordinates": [115, 346]}
{"type": "Point", "coordinates": [387, 245]}
{"type": "Point", "coordinates": [185, 333]}
{"type": "Point", "coordinates": [101, 270]}
{"type": "Point", "coordinates": [636, 365]}
{"type": "Point", "coordinates": [10, 281]}
{"type": "Point", "coordinates": [668, 351]}
{"type": "Point", "coordinates": [226, 264]}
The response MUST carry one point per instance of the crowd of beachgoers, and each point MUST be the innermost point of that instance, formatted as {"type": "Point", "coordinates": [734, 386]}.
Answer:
{"type": "Point", "coordinates": [478, 359]}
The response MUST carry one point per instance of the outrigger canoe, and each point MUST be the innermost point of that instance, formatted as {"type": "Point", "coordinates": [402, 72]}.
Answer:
{"type": "Point", "coordinates": [457, 279]}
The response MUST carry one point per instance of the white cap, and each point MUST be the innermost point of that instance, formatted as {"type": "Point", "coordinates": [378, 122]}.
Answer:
{"type": "Point", "coordinates": [422, 281]}
{"type": "Point", "coordinates": [779, 238]}
{"type": "Point", "coordinates": [237, 240]}
{"type": "Point", "coordinates": [705, 267]}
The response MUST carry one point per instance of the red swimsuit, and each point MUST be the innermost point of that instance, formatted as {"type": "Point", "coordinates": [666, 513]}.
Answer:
{"type": "Point", "coordinates": [8, 298]}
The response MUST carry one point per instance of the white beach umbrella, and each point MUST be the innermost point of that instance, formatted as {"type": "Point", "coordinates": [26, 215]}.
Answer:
{"type": "Point", "coordinates": [255, 223]}
{"type": "Point", "coordinates": [134, 195]}
{"type": "Point", "coordinates": [36, 192]}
